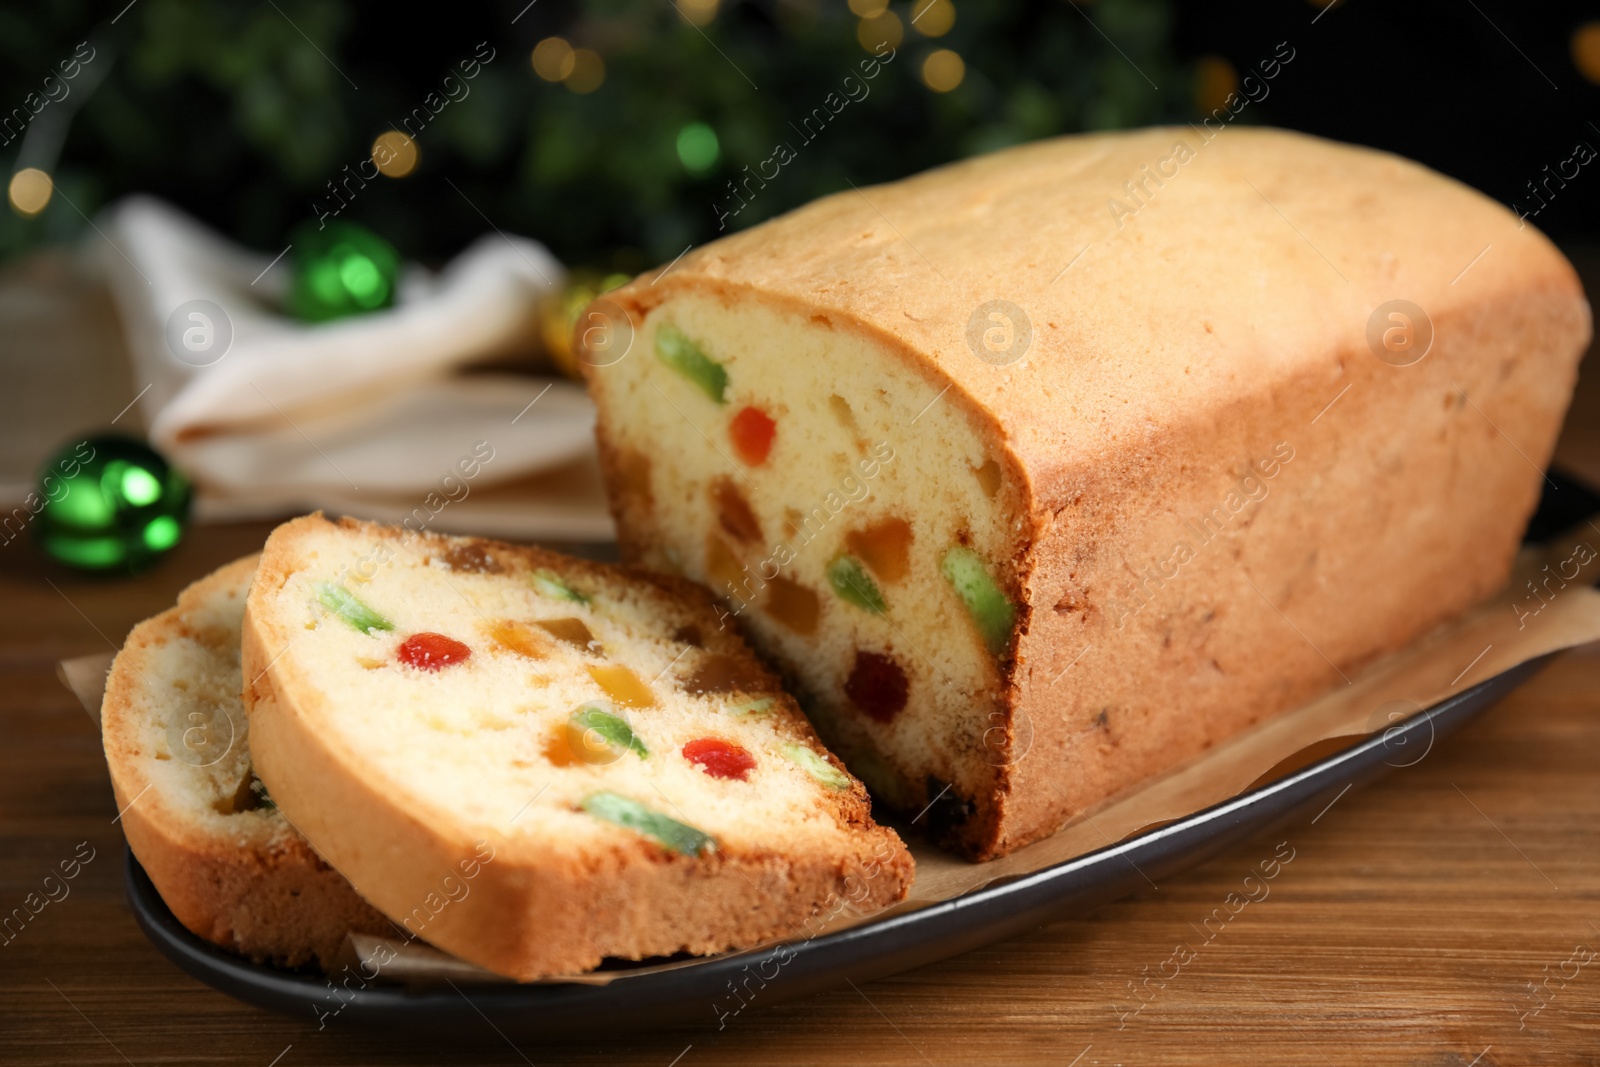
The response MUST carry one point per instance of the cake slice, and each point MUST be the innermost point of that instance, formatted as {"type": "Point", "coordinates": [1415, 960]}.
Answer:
{"type": "Point", "coordinates": [537, 762]}
{"type": "Point", "coordinates": [215, 846]}
{"type": "Point", "coordinates": [1042, 472]}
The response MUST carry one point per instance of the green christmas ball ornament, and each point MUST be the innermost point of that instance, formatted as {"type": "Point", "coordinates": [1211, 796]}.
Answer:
{"type": "Point", "coordinates": [110, 503]}
{"type": "Point", "coordinates": [341, 269]}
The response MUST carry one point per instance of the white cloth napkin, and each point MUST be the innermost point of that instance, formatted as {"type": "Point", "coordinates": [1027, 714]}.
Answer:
{"type": "Point", "coordinates": [368, 404]}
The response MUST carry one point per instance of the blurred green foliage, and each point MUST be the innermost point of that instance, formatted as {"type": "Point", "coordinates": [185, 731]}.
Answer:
{"type": "Point", "coordinates": [244, 115]}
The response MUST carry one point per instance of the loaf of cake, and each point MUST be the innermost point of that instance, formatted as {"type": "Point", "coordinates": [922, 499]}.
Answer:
{"type": "Point", "coordinates": [207, 833]}
{"type": "Point", "coordinates": [536, 762]}
{"type": "Point", "coordinates": [1042, 472]}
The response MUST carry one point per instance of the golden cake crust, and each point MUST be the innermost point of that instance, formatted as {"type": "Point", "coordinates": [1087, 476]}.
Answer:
{"type": "Point", "coordinates": [536, 909]}
{"type": "Point", "coordinates": [1186, 332]}
{"type": "Point", "coordinates": [267, 896]}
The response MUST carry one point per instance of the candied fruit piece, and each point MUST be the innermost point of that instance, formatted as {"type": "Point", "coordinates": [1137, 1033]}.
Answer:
{"type": "Point", "coordinates": [793, 605]}
{"type": "Point", "coordinates": [629, 814]}
{"type": "Point", "coordinates": [623, 686]}
{"type": "Point", "coordinates": [885, 547]}
{"type": "Point", "coordinates": [733, 511]}
{"type": "Point", "coordinates": [719, 673]}
{"type": "Point", "coordinates": [345, 604]}
{"type": "Point", "coordinates": [430, 651]}
{"type": "Point", "coordinates": [558, 747]}
{"type": "Point", "coordinates": [722, 566]}
{"type": "Point", "coordinates": [877, 686]}
{"type": "Point", "coordinates": [988, 477]}
{"type": "Point", "coordinates": [720, 759]}
{"type": "Point", "coordinates": [518, 637]}
{"type": "Point", "coordinates": [675, 349]}
{"type": "Point", "coordinates": [854, 586]}
{"type": "Point", "coordinates": [817, 766]}
{"type": "Point", "coordinates": [759, 706]}
{"type": "Point", "coordinates": [573, 631]}
{"type": "Point", "coordinates": [598, 735]}
{"type": "Point", "coordinates": [548, 583]}
{"type": "Point", "coordinates": [991, 611]}
{"type": "Point", "coordinates": [752, 431]}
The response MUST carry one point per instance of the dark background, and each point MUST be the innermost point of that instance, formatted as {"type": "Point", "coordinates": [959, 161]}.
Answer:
{"type": "Point", "coordinates": [242, 113]}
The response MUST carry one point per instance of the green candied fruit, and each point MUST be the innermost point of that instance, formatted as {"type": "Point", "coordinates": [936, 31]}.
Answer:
{"type": "Point", "coordinates": [991, 611]}
{"type": "Point", "coordinates": [548, 583]}
{"type": "Point", "coordinates": [632, 815]}
{"type": "Point", "coordinates": [688, 359]}
{"type": "Point", "coordinates": [759, 706]}
{"type": "Point", "coordinates": [817, 767]}
{"type": "Point", "coordinates": [345, 604]}
{"type": "Point", "coordinates": [612, 729]}
{"type": "Point", "coordinates": [854, 585]}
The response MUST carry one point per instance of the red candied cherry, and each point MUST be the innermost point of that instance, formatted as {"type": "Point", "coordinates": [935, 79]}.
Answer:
{"type": "Point", "coordinates": [752, 431]}
{"type": "Point", "coordinates": [719, 758]}
{"type": "Point", "coordinates": [877, 686]}
{"type": "Point", "coordinates": [429, 651]}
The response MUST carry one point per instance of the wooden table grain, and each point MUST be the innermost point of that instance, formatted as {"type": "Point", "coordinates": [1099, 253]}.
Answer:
{"type": "Point", "coordinates": [1448, 914]}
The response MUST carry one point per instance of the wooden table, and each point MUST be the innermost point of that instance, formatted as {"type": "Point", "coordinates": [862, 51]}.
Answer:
{"type": "Point", "coordinates": [1413, 925]}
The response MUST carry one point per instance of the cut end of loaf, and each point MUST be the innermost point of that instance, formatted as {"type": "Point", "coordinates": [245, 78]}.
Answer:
{"type": "Point", "coordinates": [852, 516]}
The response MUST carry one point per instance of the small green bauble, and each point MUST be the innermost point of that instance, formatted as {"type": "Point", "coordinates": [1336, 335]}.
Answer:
{"type": "Point", "coordinates": [110, 504]}
{"type": "Point", "coordinates": [341, 269]}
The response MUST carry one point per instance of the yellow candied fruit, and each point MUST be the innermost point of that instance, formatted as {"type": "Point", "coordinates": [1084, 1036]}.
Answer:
{"type": "Point", "coordinates": [518, 637]}
{"type": "Point", "coordinates": [623, 686]}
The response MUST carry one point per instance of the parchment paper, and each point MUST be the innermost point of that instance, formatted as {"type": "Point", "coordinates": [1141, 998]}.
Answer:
{"type": "Point", "coordinates": [1520, 624]}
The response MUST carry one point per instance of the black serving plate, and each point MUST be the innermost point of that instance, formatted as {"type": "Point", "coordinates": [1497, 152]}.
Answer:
{"type": "Point", "coordinates": [889, 945]}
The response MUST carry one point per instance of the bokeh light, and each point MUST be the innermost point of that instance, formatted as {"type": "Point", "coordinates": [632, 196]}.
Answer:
{"type": "Point", "coordinates": [1586, 50]}
{"type": "Point", "coordinates": [943, 70]}
{"type": "Point", "coordinates": [933, 18]}
{"type": "Point", "coordinates": [698, 148]}
{"type": "Point", "coordinates": [30, 191]}
{"type": "Point", "coordinates": [1214, 79]}
{"type": "Point", "coordinates": [868, 9]}
{"type": "Point", "coordinates": [395, 154]}
{"type": "Point", "coordinates": [880, 31]}
{"type": "Point", "coordinates": [699, 12]}
{"type": "Point", "coordinates": [553, 59]}
{"type": "Point", "coordinates": [588, 71]}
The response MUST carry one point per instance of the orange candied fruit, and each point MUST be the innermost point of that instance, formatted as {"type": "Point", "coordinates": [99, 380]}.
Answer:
{"type": "Point", "coordinates": [734, 511]}
{"type": "Point", "coordinates": [793, 605]}
{"type": "Point", "coordinates": [752, 431]}
{"type": "Point", "coordinates": [885, 547]}
{"type": "Point", "coordinates": [573, 631]}
{"type": "Point", "coordinates": [719, 758]}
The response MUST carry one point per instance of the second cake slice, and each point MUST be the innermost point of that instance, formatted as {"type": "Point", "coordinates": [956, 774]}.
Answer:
{"type": "Point", "coordinates": [537, 762]}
